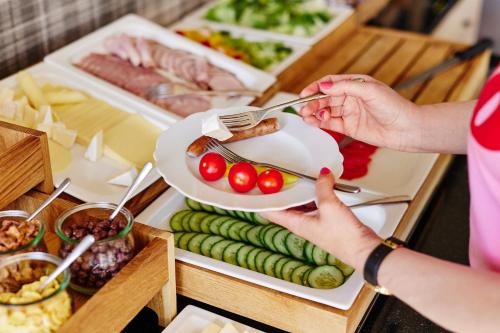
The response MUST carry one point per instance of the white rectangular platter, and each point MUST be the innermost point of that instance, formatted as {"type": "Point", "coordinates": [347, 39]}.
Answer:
{"type": "Point", "coordinates": [390, 172]}
{"type": "Point", "coordinates": [341, 13]}
{"type": "Point", "coordinates": [193, 319]}
{"type": "Point", "coordinates": [89, 179]}
{"type": "Point", "coordinates": [298, 49]}
{"type": "Point", "coordinates": [382, 219]}
{"type": "Point", "coordinates": [135, 25]}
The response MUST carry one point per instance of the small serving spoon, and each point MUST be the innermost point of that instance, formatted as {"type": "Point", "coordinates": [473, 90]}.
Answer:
{"type": "Point", "coordinates": [49, 200]}
{"type": "Point", "coordinates": [88, 240]}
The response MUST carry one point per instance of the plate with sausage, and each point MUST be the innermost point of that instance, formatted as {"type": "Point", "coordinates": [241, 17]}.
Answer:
{"type": "Point", "coordinates": [283, 140]}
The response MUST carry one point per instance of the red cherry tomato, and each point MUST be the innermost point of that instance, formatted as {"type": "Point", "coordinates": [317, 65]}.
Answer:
{"type": "Point", "coordinates": [212, 166]}
{"type": "Point", "coordinates": [270, 181]}
{"type": "Point", "coordinates": [242, 177]}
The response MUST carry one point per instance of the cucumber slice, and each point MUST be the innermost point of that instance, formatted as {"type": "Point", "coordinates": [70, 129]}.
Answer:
{"type": "Point", "coordinates": [240, 215]}
{"type": "Point", "coordinates": [331, 260]}
{"type": "Point", "coordinates": [279, 265]}
{"type": "Point", "coordinates": [248, 216]}
{"type": "Point", "coordinates": [319, 256]}
{"type": "Point", "coordinates": [269, 237]}
{"type": "Point", "coordinates": [344, 268]}
{"type": "Point", "coordinates": [229, 254]}
{"type": "Point", "coordinates": [195, 221]}
{"type": "Point", "coordinates": [244, 231]}
{"type": "Point", "coordinates": [308, 252]}
{"type": "Point", "coordinates": [262, 234]}
{"type": "Point", "coordinates": [194, 205]}
{"type": "Point", "coordinates": [260, 220]}
{"type": "Point", "coordinates": [185, 221]}
{"type": "Point", "coordinates": [217, 250]}
{"type": "Point", "coordinates": [219, 211]}
{"type": "Point", "coordinates": [177, 236]}
{"type": "Point", "coordinates": [253, 235]}
{"type": "Point", "coordinates": [176, 220]}
{"type": "Point", "coordinates": [299, 272]}
{"type": "Point", "coordinates": [270, 262]}
{"type": "Point", "coordinates": [194, 244]}
{"type": "Point", "coordinates": [232, 213]}
{"type": "Point", "coordinates": [224, 228]}
{"type": "Point", "coordinates": [279, 241]}
{"type": "Point", "coordinates": [214, 227]}
{"type": "Point", "coordinates": [183, 242]}
{"type": "Point", "coordinates": [241, 256]}
{"type": "Point", "coordinates": [207, 244]}
{"type": "Point", "coordinates": [305, 281]}
{"type": "Point", "coordinates": [325, 277]}
{"type": "Point", "coordinates": [234, 230]}
{"type": "Point", "coordinates": [205, 223]}
{"type": "Point", "coordinates": [251, 258]}
{"type": "Point", "coordinates": [207, 208]}
{"type": "Point", "coordinates": [260, 259]}
{"type": "Point", "coordinates": [288, 268]}
{"type": "Point", "coordinates": [295, 246]}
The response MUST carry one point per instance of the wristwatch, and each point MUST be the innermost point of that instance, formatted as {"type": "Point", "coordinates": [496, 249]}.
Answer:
{"type": "Point", "coordinates": [375, 259]}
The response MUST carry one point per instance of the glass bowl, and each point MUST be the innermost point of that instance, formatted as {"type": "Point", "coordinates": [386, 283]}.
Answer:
{"type": "Point", "coordinates": [37, 244]}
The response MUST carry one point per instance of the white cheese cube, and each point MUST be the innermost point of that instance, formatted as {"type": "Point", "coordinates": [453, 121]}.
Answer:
{"type": "Point", "coordinates": [45, 115]}
{"type": "Point", "coordinates": [65, 137]}
{"type": "Point", "coordinates": [95, 149]}
{"type": "Point", "coordinates": [124, 179]}
{"type": "Point", "coordinates": [214, 128]}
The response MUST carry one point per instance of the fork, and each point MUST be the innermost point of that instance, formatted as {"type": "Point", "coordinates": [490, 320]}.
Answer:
{"type": "Point", "coordinates": [168, 90]}
{"type": "Point", "coordinates": [246, 120]}
{"type": "Point", "coordinates": [232, 157]}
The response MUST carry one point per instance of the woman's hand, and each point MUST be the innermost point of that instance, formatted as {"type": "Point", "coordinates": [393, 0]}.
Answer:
{"type": "Point", "coordinates": [333, 227]}
{"type": "Point", "coordinates": [363, 108]}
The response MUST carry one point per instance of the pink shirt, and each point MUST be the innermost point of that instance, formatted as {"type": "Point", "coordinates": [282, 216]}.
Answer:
{"type": "Point", "coordinates": [484, 178]}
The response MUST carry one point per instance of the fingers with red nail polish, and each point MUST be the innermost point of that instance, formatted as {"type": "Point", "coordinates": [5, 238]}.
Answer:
{"type": "Point", "coordinates": [324, 171]}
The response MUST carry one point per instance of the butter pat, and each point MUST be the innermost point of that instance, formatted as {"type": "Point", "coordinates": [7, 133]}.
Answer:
{"type": "Point", "coordinates": [124, 179]}
{"type": "Point", "coordinates": [214, 128]}
{"type": "Point", "coordinates": [95, 150]}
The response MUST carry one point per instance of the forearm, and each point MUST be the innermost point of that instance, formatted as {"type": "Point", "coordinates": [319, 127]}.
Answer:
{"type": "Point", "coordinates": [456, 297]}
{"type": "Point", "coordinates": [441, 128]}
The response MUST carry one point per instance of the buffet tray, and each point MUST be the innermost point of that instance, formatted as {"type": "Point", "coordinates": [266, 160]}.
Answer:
{"type": "Point", "coordinates": [135, 25]}
{"type": "Point", "coordinates": [147, 280]}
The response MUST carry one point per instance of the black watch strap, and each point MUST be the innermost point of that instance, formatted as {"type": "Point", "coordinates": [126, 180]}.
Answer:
{"type": "Point", "coordinates": [376, 258]}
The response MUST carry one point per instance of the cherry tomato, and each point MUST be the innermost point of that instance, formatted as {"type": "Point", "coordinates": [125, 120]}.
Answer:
{"type": "Point", "coordinates": [270, 181]}
{"type": "Point", "coordinates": [212, 166]}
{"type": "Point", "coordinates": [242, 177]}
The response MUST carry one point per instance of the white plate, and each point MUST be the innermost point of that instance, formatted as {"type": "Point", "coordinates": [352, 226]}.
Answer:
{"type": "Point", "coordinates": [298, 49]}
{"type": "Point", "coordinates": [192, 319]}
{"type": "Point", "coordinates": [382, 219]}
{"type": "Point", "coordinates": [296, 145]}
{"type": "Point", "coordinates": [89, 179]}
{"type": "Point", "coordinates": [341, 13]}
{"type": "Point", "coordinates": [135, 25]}
{"type": "Point", "coordinates": [390, 172]}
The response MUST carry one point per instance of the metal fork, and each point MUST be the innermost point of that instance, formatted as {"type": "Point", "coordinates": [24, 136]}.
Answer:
{"type": "Point", "coordinates": [245, 120]}
{"type": "Point", "coordinates": [232, 157]}
{"type": "Point", "coordinates": [168, 90]}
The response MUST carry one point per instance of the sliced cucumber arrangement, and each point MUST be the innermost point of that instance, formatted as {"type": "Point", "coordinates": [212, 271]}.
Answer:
{"type": "Point", "coordinates": [250, 241]}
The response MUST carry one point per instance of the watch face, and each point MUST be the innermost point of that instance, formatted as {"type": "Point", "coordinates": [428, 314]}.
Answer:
{"type": "Point", "coordinates": [382, 290]}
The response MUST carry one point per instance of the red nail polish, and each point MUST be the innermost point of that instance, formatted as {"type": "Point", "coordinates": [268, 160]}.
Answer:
{"type": "Point", "coordinates": [326, 85]}
{"type": "Point", "coordinates": [324, 171]}
{"type": "Point", "coordinates": [320, 115]}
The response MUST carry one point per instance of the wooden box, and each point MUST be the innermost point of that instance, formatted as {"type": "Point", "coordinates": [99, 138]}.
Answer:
{"type": "Point", "coordinates": [147, 280]}
{"type": "Point", "coordinates": [24, 162]}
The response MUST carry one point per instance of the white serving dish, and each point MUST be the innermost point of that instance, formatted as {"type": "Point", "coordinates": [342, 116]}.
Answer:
{"type": "Point", "coordinates": [341, 13]}
{"type": "Point", "coordinates": [298, 49]}
{"type": "Point", "coordinates": [135, 25]}
{"type": "Point", "coordinates": [382, 219]}
{"type": "Point", "coordinates": [89, 179]}
{"type": "Point", "coordinates": [402, 173]}
{"type": "Point", "coordinates": [193, 319]}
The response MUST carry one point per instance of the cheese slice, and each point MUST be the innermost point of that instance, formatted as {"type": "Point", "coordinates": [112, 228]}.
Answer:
{"type": "Point", "coordinates": [95, 149]}
{"type": "Point", "coordinates": [6, 95]}
{"type": "Point", "coordinates": [30, 116]}
{"type": "Point", "coordinates": [131, 141]}
{"type": "Point", "coordinates": [124, 179]}
{"type": "Point", "coordinates": [47, 128]}
{"type": "Point", "coordinates": [60, 157]}
{"type": "Point", "coordinates": [229, 328]}
{"type": "Point", "coordinates": [20, 106]}
{"type": "Point", "coordinates": [65, 137]}
{"type": "Point", "coordinates": [46, 115]}
{"type": "Point", "coordinates": [31, 89]}
{"type": "Point", "coordinates": [214, 128]}
{"type": "Point", "coordinates": [8, 110]}
{"type": "Point", "coordinates": [212, 328]}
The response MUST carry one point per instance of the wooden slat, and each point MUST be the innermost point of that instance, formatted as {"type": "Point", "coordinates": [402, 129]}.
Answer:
{"type": "Point", "coordinates": [369, 60]}
{"type": "Point", "coordinates": [433, 55]}
{"type": "Point", "coordinates": [469, 85]}
{"type": "Point", "coordinates": [398, 63]}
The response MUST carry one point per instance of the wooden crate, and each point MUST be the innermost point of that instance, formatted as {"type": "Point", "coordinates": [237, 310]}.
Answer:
{"type": "Point", "coordinates": [147, 280]}
{"type": "Point", "coordinates": [390, 56]}
{"type": "Point", "coordinates": [24, 162]}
